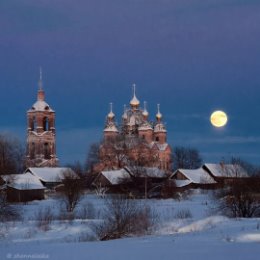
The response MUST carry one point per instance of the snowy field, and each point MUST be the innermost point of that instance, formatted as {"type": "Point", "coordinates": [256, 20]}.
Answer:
{"type": "Point", "coordinates": [200, 236]}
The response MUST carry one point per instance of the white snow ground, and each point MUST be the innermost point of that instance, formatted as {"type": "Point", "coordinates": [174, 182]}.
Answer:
{"type": "Point", "coordinates": [197, 238]}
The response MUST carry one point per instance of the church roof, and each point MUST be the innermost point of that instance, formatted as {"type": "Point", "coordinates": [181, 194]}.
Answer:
{"type": "Point", "coordinates": [41, 105]}
{"type": "Point", "coordinates": [111, 128]}
{"type": "Point", "coordinates": [159, 128]}
{"type": "Point", "coordinates": [145, 126]}
{"type": "Point", "coordinates": [161, 147]}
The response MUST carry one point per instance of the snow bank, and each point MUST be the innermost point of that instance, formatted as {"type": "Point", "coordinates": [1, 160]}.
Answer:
{"type": "Point", "coordinates": [202, 224]}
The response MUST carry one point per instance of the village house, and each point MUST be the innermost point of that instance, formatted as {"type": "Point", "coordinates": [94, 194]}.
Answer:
{"type": "Point", "coordinates": [193, 178]}
{"type": "Point", "coordinates": [50, 176]}
{"type": "Point", "coordinates": [225, 173]}
{"type": "Point", "coordinates": [22, 187]}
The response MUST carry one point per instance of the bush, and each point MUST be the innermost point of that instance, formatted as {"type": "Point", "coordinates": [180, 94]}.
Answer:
{"type": "Point", "coordinates": [86, 211]}
{"type": "Point", "coordinates": [124, 217]}
{"type": "Point", "coordinates": [7, 211]}
{"type": "Point", "coordinates": [44, 218]}
{"type": "Point", "coordinates": [183, 214]}
{"type": "Point", "coordinates": [240, 199]}
{"type": "Point", "coordinates": [73, 190]}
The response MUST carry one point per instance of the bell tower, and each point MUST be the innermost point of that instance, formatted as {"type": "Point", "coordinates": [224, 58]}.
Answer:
{"type": "Point", "coordinates": [41, 138]}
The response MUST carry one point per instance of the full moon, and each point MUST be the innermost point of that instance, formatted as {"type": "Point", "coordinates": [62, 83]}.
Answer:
{"type": "Point", "coordinates": [218, 118]}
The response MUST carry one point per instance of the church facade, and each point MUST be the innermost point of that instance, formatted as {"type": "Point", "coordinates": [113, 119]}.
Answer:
{"type": "Point", "coordinates": [41, 137]}
{"type": "Point", "coordinates": [144, 142]}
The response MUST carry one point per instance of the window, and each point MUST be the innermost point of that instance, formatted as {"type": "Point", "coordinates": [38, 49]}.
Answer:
{"type": "Point", "coordinates": [45, 124]}
{"type": "Point", "coordinates": [33, 124]}
{"type": "Point", "coordinates": [32, 151]}
{"type": "Point", "coordinates": [157, 139]}
{"type": "Point", "coordinates": [46, 151]}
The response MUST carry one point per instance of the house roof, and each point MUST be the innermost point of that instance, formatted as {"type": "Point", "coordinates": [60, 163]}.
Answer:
{"type": "Point", "coordinates": [150, 172]}
{"type": "Point", "coordinates": [49, 174]}
{"type": "Point", "coordinates": [116, 176]}
{"type": "Point", "coordinates": [226, 170]}
{"type": "Point", "coordinates": [182, 183]}
{"type": "Point", "coordinates": [25, 181]}
{"type": "Point", "coordinates": [153, 172]}
{"type": "Point", "coordinates": [197, 176]}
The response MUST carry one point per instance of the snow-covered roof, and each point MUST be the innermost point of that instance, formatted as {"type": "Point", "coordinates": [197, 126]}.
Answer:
{"type": "Point", "coordinates": [49, 174]}
{"type": "Point", "coordinates": [161, 147]}
{"type": "Point", "coordinates": [182, 183]}
{"type": "Point", "coordinates": [41, 105]}
{"type": "Point", "coordinates": [154, 172]}
{"type": "Point", "coordinates": [110, 128]}
{"type": "Point", "coordinates": [197, 176]}
{"type": "Point", "coordinates": [145, 126]}
{"type": "Point", "coordinates": [150, 172]}
{"type": "Point", "coordinates": [116, 176]}
{"type": "Point", "coordinates": [226, 170]}
{"type": "Point", "coordinates": [25, 181]}
{"type": "Point", "coordinates": [159, 128]}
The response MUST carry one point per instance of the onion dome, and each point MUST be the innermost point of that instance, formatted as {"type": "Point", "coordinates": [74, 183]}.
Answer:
{"type": "Point", "coordinates": [124, 116]}
{"type": "Point", "coordinates": [158, 115]}
{"type": "Point", "coordinates": [145, 112]}
{"type": "Point", "coordinates": [111, 115]}
{"type": "Point", "coordinates": [134, 101]}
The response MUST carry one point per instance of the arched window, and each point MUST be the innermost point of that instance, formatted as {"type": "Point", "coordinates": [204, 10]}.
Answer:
{"type": "Point", "coordinates": [45, 124]}
{"type": "Point", "coordinates": [32, 151]}
{"type": "Point", "coordinates": [46, 151]}
{"type": "Point", "coordinates": [157, 139]}
{"type": "Point", "coordinates": [33, 124]}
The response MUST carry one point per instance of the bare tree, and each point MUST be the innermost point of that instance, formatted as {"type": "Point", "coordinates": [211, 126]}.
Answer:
{"type": "Point", "coordinates": [92, 157]}
{"type": "Point", "coordinates": [124, 217]}
{"type": "Point", "coordinates": [186, 158]}
{"type": "Point", "coordinates": [125, 151]}
{"type": "Point", "coordinates": [72, 191]}
{"type": "Point", "coordinates": [7, 211]}
{"type": "Point", "coordinates": [240, 199]}
{"type": "Point", "coordinates": [240, 196]}
{"type": "Point", "coordinates": [11, 155]}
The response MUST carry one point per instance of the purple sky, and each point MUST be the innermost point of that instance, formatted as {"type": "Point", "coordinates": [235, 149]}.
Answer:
{"type": "Point", "coordinates": [191, 56]}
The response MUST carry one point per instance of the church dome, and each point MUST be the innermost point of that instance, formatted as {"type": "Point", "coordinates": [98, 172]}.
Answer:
{"type": "Point", "coordinates": [111, 115]}
{"type": "Point", "coordinates": [134, 101]}
{"type": "Point", "coordinates": [41, 105]}
{"type": "Point", "coordinates": [158, 115]}
{"type": "Point", "coordinates": [145, 113]}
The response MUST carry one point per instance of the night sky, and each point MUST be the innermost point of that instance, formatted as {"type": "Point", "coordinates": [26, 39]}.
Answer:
{"type": "Point", "coordinates": [191, 56]}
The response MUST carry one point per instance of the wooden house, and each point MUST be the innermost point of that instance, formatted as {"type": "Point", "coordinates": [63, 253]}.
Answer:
{"type": "Point", "coordinates": [22, 187]}
{"type": "Point", "coordinates": [50, 176]}
{"type": "Point", "coordinates": [193, 178]}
